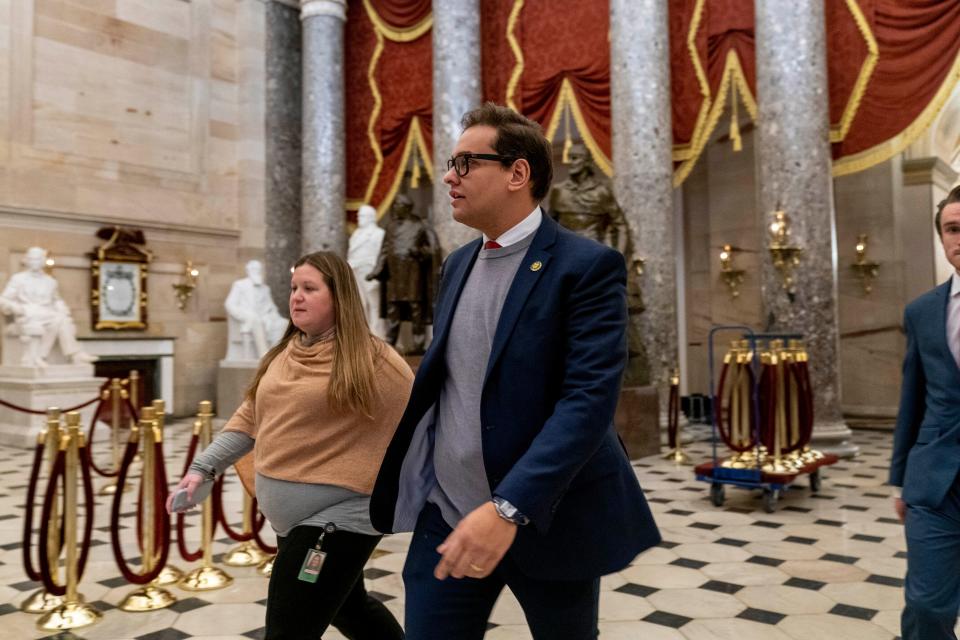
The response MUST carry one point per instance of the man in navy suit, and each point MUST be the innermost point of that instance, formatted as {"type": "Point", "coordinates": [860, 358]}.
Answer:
{"type": "Point", "coordinates": [926, 447]}
{"type": "Point", "coordinates": [506, 464]}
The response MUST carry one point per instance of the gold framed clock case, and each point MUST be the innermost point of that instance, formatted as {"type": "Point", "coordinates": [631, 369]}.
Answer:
{"type": "Point", "coordinates": [118, 278]}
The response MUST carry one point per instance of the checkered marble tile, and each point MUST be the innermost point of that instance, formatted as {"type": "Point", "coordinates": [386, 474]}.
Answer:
{"type": "Point", "coordinates": [824, 566]}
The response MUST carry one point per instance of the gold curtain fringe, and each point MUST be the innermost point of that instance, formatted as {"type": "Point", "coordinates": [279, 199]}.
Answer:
{"type": "Point", "coordinates": [416, 140]}
{"type": "Point", "coordinates": [889, 148]}
{"type": "Point", "coordinates": [568, 99]}
{"type": "Point", "coordinates": [407, 34]}
{"type": "Point", "coordinates": [517, 54]}
{"type": "Point", "coordinates": [838, 133]}
{"type": "Point", "coordinates": [733, 81]}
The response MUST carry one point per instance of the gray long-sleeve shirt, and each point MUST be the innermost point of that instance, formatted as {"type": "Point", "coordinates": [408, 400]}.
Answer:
{"type": "Point", "coordinates": [288, 504]}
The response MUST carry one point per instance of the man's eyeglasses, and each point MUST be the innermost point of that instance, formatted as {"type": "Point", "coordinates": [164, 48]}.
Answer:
{"type": "Point", "coordinates": [461, 163]}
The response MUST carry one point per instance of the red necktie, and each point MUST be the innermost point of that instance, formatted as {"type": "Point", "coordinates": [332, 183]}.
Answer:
{"type": "Point", "coordinates": [491, 244]}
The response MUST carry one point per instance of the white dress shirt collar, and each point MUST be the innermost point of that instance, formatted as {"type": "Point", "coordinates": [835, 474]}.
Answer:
{"type": "Point", "coordinates": [519, 231]}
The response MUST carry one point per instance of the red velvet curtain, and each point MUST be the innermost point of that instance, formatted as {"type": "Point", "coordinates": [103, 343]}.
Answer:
{"type": "Point", "coordinates": [402, 76]}
{"type": "Point", "coordinates": [559, 40]}
{"type": "Point", "coordinates": [918, 42]}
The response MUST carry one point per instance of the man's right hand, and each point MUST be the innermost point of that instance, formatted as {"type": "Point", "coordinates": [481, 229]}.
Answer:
{"type": "Point", "coordinates": [900, 507]}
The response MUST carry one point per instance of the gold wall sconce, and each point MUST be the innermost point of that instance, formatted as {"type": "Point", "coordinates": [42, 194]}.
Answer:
{"type": "Point", "coordinates": [188, 282]}
{"type": "Point", "coordinates": [732, 276]}
{"type": "Point", "coordinates": [785, 255]}
{"type": "Point", "coordinates": [638, 265]}
{"type": "Point", "coordinates": [865, 270]}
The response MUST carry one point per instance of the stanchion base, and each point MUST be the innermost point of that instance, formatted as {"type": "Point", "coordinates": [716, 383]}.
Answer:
{"type": "Point", "coordinates": [148, 598]}
{"type": "Point", "coordinates": [246, 554]}
{"type": "Point", "coordinates": [71, 615]}
{"type": "Point", "coordinates": [266, 567]}
{"type": "Point", "coordinates": [169, 575]}
{"type": "Point", "coordinates": [40, 602]}
{"type": "Point", "coordinates": [205, 579]}
{"type": "Point", "coordinates": [110, 489]}
{"type": "Point", "coordinates": [678, 457]}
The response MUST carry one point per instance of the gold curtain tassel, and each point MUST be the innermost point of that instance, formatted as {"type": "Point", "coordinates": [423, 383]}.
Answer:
{"type": "Point", "coordinates": [734, 120]}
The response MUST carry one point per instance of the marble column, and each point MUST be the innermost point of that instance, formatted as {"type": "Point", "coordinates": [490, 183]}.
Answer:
{"type": "Point", "coordinates": [793, 169]}
{"type": "Point", "coordinates": [456, 90]}
{"type": "Point", "coordinates": [283, 113]}
{"type": "Point", "coordinates": [643, 168]}
{"type": "Point", "coordinates": [323, 197]}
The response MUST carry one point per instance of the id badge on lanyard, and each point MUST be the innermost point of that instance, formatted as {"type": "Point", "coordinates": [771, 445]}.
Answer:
{"type": "Point", "coordinates": [313, 563]}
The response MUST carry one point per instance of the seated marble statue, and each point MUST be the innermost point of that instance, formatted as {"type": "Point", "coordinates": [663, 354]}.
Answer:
{"type": "Point", "coordinates": [40, 318]}
{"type": "Point", "coordinates": [254, 324]}
{"type": "Point", "coordinates": [362, 255]}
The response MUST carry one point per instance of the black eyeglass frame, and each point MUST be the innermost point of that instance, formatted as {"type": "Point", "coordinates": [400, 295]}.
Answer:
{"type": "Point", "coordinates": [453, 162]}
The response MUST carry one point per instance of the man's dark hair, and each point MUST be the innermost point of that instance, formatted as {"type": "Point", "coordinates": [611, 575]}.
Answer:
{"type": "Point", "coordinates": [953, 196]}
{"type": "Point", "coordinates": [517, 137]}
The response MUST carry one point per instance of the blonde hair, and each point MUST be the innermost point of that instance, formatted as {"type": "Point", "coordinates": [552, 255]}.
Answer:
{"type": "Point", "coordinates": [355, 349]}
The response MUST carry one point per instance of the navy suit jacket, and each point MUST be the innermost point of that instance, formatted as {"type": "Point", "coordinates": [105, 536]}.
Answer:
{"type": "Point", "coordinates": [926, 444]}
{"type": "Point", "coordinates": [549, 395]}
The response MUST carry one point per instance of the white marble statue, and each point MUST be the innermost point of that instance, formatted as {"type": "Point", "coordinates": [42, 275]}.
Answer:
{"type": "Point", "coordinates": [254, 324]}
{"type": "Point", "coordinates": [362, 256]}
{"type": "Point", "coordinates": [40, 318]}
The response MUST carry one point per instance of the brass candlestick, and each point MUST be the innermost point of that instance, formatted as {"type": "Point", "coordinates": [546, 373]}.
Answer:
{"type": "Point", "coordinates": [206, 577]}
{"type": "Point", "coordinates": [865, 270]}
{"type": "Point", "coordinates": [730, 275]}
{"type": "Point", "coordinates": [785, 255]}
{"type": "Point", "coordinates": [74, 612]}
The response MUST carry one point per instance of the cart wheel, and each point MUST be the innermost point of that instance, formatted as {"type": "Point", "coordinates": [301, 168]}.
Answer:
{"type": "Point", "coordinates": [815, 481]}
{"type": "Point", "coordinates": [770, 499]}
{"type": "Point", "coordinates": [716, 494]}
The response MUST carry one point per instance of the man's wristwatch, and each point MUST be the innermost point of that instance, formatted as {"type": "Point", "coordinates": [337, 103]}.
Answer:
{"type": "Point", "coordinates": [509, 512]}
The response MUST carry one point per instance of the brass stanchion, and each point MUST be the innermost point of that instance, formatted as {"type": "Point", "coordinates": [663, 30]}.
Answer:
{"type": "Point", "coordinates": [245, 554]}
{"type": "Point", "coordinates": [149, 597]}
{"type": "Point", "coordinates": [117, 394]}
{"type": "Point", "coordinates": [677, 456]}
{"type": "Point", "coordinates": [265, 568]}
{"type": "Point", "coordinates": [169, 574]}
{"type": "Point", "coordinates": [134, 380]}
{"type": "Point", "coordinates": [41, 601]}
{"type": "Point", "coordinates": [206, 577]}
{"type": "Point", "coordinates": [73, 613]}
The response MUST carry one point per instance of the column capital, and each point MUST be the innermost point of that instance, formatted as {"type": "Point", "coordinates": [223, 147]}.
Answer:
{"type": "Point", "coordinates": [333, 8]}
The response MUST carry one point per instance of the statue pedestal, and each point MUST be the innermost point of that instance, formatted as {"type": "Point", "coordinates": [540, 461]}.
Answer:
{"type": "Point", "coordinates": [233, 378]}
{"type": "Point", "coordinates": [638, 421]}
{"type": "Point", "coordinates": [62, 386]}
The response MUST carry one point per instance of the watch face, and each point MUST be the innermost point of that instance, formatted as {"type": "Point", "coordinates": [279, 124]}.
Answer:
{"type": "Point", "coordinates": [119, 291]}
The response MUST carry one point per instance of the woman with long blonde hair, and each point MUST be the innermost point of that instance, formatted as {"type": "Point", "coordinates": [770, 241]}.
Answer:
{"type": "Point", "coordinates": [318, 417]}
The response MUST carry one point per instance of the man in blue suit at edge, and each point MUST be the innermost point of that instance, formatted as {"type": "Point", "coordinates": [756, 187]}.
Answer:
{"type": "Point", "coordinates": [926, 447]}
{"type": "Point", "coordinates": [506, 465]}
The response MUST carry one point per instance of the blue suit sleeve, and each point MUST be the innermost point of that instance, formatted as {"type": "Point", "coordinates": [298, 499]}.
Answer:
{"type": "Point", "coordinates": [912, 405]}
{"type": "Point", "coordinates": [595, 355]}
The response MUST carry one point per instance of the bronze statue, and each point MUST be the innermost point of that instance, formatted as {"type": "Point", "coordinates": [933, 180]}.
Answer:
{"type": "Point", "coordinates": [407, 267]}
{"type": "Point", "coordinates": [585, 203]}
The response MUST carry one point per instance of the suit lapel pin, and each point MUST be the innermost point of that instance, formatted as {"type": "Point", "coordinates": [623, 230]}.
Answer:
{"type": "Point", "coordinates": [536, 266]}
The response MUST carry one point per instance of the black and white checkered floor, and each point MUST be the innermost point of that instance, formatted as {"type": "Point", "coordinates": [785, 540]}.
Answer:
{"type": "Point", "coordinates": [827, 566]}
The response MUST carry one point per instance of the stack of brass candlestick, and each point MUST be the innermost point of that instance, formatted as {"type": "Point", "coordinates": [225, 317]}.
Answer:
{"type": "Point", "coordinates": [765, 407]}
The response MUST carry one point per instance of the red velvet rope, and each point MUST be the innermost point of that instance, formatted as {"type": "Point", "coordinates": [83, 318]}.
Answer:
{"type": "Point", "coordinates": [28, 565]}
{"type": "Point", "coordinates": [59, 472]}
{"type": "Point", "coordinates": [93, 426]}
{"type": "Point", "coordinates": [35, 412]}
{"type": "Point", "coordinates": [723, 420]}
{"type": "Point", "coordinates": [185, 553]}
{"type": "Point", "coordinates": [222, 518]}
{"type": "Point", "coordinates": [161, 522]}
{"type": "Point", "coordinates": [768, 405]}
